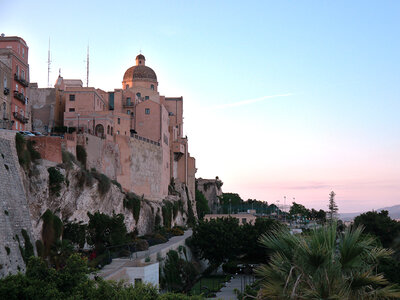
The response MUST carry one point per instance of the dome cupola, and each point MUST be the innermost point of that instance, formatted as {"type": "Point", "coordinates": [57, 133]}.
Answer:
{"type": "Point", "coordinates": [139, 72]}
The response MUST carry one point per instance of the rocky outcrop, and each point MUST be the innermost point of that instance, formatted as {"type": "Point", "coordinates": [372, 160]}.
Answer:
{"type": "Point", "coordinates": [77, 198]}
{"type": "Point", "coordinates": [211, 189]}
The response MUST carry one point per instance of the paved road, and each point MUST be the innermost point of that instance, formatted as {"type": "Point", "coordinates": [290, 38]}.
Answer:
{"type": "Point", "coordinates": [118, 263]}
{"type": "Point", "coordinates": [238, 282]}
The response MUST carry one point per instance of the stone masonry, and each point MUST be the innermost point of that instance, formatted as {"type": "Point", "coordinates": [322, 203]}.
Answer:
{"type": "Point", "coordinates": [14, 211]}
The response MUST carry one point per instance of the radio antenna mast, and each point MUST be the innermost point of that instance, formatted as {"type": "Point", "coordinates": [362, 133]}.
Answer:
{"type": "Point", "coordinates": [87, 67]}
{"type": "Point", "coordinates": [48, 66]}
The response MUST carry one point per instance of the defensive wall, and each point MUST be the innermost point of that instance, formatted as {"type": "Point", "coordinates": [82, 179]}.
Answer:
{"type": "Point", "coordinates": [14, 211]}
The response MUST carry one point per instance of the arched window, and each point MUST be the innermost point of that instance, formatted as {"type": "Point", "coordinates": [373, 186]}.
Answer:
{"type": "Point", "coordinates": [5, 81]}
{"type": "Point", "coordinates": [111, 130]}
{"type": "Point", "coordinates": [152, 87]}
{"type": "Point", "coordinates": [138, 95]}
{"type": "Point", "coordinates": [108, 129]}
{"type": "Point", "coordinates": [127, 86]}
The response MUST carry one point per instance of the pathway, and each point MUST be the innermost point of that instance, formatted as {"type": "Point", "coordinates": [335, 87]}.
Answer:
{"type": "Point", "coordinates": [118, 263]}
{"type": "Point", "coordinates": [238, 282]}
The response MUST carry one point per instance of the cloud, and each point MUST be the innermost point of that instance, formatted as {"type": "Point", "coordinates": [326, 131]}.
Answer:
{"type": "Point", "coordinates": [249, 101]}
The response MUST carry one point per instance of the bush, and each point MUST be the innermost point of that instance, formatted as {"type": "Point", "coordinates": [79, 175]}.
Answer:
{"type": "Point", "coordinates": [176, 231]}
{"type": "Point", "coordinates": [84, 177]}
{"type": "Point", "coordinates": [55, 180]}
{"type": "Point", "coordinates": [67, 158]}
{"type": "Point", "coordinates": [104, 182]}
{"type": "Point", "coordinates": [24, 156]}
{"type": "Point", "coordinates": [81, 155]}
{"type": "Point", "coordinates": [132, 202]}
{"type": "Point", "coordinates": [167, 211]}
{"type": "Point", "coordinates": [33, 153]}
{"type": "Point", "coordinates": [114, 182]}
{"type": "Point", "coordinates": [230, 267]}
{"type": "Point", "coordinates": [141, 245]}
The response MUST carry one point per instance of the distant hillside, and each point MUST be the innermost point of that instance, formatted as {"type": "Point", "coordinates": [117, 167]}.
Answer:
{"type": "Point", "coordinates": [394, 213]}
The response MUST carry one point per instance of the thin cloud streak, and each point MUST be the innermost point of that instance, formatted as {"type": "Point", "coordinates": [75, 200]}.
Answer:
{"type": "Point", "coordinates": [249, 101]}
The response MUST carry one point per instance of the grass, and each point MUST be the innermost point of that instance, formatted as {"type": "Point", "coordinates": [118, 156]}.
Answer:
{"type": "Point", "coordinates": [209, 284]}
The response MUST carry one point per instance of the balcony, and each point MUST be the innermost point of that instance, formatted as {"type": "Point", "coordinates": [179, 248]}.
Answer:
{"type": "Point", "coordinates": [20, 117]}
{"type": "Point", "coordinates": [21, 80]}
{"type": "Point", "coordinates": [19, 96]}
{"type": "Point", "coordinates": [127, 104]}
{"type": "Point", "coordinates": [6, 91]}
{"type": "Point", "coordinates": [178, 148]}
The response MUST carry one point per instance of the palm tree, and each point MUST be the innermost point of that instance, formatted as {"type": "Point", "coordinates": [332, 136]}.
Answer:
{"type": "Point", "coordinates": [323, 264]}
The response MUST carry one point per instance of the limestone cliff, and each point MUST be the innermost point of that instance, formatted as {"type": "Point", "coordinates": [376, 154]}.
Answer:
{"type": "Point", "coordinates": [26, 194]}
{"type": "Point", "coordinates": [211, 189]}
{"type": "Point", "coordinates": [76, 199]}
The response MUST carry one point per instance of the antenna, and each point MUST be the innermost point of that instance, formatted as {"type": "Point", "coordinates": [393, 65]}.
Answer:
{"type": "Point", "coordinates": [87, 67]}
{"type": "Point", "coordinates": [48, 66]}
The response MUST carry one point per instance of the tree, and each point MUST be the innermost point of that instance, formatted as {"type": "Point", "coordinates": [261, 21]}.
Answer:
{"type": "Point", "coordinates": [379, 225]}
{"type": "Point", "coordinates": [105, 231]}
{"type": "Point", "coordinates": [333, 208]}
{"type": "Point", "coordinates": [218, 239]}
{"type": "Point", "coordinates": [324, 265]}
{"type": "Point", "coordinates": [299, 210]}
{"type": "Point", "coordinates": [178, 273]}
{"type": "Point", "coordinates": [201, 205]}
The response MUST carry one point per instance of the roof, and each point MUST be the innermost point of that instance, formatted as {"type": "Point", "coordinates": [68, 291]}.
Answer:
{"type": "Point", "coordinates": [140, 73]}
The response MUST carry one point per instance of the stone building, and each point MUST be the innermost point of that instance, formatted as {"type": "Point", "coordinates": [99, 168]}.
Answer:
{"type": "Point", "coordinates": [137, 112]}
{"type": "Point", "coordinates": [14, 53]}
{"type": "Point", "coordinates": [5, 95]}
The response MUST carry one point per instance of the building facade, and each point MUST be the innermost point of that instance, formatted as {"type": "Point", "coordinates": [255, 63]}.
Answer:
{"type": "Point", "coordinates": [137, 112]}
{"type": "Point", "coordinates": [14, 53]}
{"type": "Point", "coordinates": [5, 95]}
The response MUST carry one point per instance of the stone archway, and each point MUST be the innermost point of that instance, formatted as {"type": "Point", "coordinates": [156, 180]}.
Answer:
{"type": "Point", "coordinates": [99, 130]}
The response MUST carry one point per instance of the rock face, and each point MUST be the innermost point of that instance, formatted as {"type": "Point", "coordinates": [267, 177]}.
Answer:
{"type": "Point", "coordinates": [211, 188]}
{"type": "Point", "coordinates": [25, 196]}
{"type": "Point", "coordinates": [14, 212]}
{"type": "Point", "coordinates": [75, 200]}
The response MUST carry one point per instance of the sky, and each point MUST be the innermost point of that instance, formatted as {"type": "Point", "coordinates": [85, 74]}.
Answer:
{"type": "Point", "coordinates": [281, 98]}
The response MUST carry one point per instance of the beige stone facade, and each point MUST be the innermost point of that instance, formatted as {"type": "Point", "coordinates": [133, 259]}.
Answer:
{"type": "Point", "coordinates": [146, 128]}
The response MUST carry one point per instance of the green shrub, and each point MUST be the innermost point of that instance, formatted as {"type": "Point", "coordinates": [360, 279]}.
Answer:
{"type": "Point", "coordinates": [230, 267]}
{"type": "Point", "coordinates": [114, 182]}
{"type": "Point", "coordinates": [132, 202]}
{"type": "Point", "coordinates": [84, 177]}
{"type": "Point", "coordinates": [81, 155]}
{"type": "Point", "coordinates": [8, 250]}
{"type": "Point", "coordinates": [104, 184]}
{"type": "Point", "coordinates": [141, 245]}
{"type": "Point", "coordinates": [32, 151]}
{"type": "Point", "coordinates": [157, 220]}
{"type": "Point", "coordinates": [68, 159]}
{"type": "Point", "coordinates": [24, 156]}
{"type": "Point", "coordinates": [6, 212]}
{"type": "Point", "coordinates": [176, 231]}
{"type": "Point", "coordinates": [167, 212]}
{"type": "Point", "coordinates": [55, 181]}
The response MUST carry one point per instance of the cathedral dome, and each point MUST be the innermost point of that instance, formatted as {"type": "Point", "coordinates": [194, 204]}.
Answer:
{"type": "Point", "coordinates": [140, 71]}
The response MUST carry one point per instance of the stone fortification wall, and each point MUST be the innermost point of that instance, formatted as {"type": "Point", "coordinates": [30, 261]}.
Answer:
{"type": "Point", "coordinates": [14, 211]}
{"type": "Point", "coordinates": [211, 188]}
{"type": "Point", "coordinates": [49, 147]}
{"type": "Point", "coordinates": [138, 165]}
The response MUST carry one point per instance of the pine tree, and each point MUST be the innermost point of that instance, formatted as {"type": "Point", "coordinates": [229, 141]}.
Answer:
{"type": "Point", "coordinates": [333, 208]}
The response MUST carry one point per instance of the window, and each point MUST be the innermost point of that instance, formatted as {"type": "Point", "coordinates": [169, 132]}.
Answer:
{"type": "Point", "coordinates": [117, 131]}
{"type": "Point", "coordinates": [5, 81]}
{"type": "Point", "coordinates": [23, 74]}
{"type": "Point", "coordinates": [22, 90]}
{"type": "Point", "coordinates": [146, 97]}
{"type": "Point", "coordinates": [16, 125]}
{"type": "Point", "coordinates": [17, 70]}
{"type": "Point", "coordinates": [138, 95]}
{"type": "Point", "coordinates": [244, 221]}
{"type": "Point", "coordinates": [16, 87]}
{"type": "Point", "coordinates": [72, 109]}
{"type": "Point", "coordinates": [128, 112]}
{"type": "Point", "coordinates": [119, 121]}
{"type": "Point", "coordinates": [71, 97]}
{"type": "Point", "coordinates": [128, 101]}
{"type": "Point", "coordinates": [16, 108]}
{"type": "Point", "coordinates": [152, 87]}
{"type": "Point", "coordinates": [138, 281]}
{"type": "Point", "coordinates": [108, 129]}
{"type": "Point", "coordinates": [23, 52]}
{"type": "Point", "coordinates": [112, 129]}
{"type": "Point", "coordinates": [147, 111]}
{"type": "Point", "coordinates": [127, 86]}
